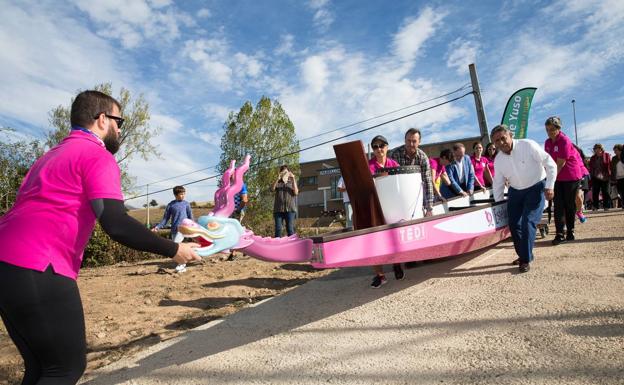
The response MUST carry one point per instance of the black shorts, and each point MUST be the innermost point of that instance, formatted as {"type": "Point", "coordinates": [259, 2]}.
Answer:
{"type": "Point", "coordinates": [584, 183]}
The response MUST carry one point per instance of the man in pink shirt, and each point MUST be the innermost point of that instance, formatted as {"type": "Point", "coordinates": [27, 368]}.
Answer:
{"type": "Point", "coordinates": [569, 174]}
{"type": "Point", "coordinates": [44, 234]}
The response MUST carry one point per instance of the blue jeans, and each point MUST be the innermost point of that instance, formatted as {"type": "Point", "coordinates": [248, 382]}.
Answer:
{"type": "Point", "coordinates": [289, 217]}
{"type": "Point", "coordinates": [524, 210]}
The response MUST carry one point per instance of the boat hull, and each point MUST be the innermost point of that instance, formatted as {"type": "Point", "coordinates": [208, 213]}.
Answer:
{"type": "Point", "coordinates": [429, 238]}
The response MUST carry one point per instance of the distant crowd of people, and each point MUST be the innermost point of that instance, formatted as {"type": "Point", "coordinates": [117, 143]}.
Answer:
{"type": "Point", "coordinates": [558, 173]}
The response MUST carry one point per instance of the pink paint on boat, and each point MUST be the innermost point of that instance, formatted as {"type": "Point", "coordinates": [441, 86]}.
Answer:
{"type": "Point", "coordinates": [429, 238]}
{"type": "Point", "coordinates": [286, 249]}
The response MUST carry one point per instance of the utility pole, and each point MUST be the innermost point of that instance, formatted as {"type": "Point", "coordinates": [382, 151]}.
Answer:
{"type": "Point", "coordinates": [476, 92]}
{"type": "Point", "coordinates": [147, 221]}
{"type": "Point", "coordinates": [574, 113]}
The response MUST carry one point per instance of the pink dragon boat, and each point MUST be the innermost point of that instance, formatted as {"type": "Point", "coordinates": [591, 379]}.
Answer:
{"type": "Point", "coordinates": [389, 224]}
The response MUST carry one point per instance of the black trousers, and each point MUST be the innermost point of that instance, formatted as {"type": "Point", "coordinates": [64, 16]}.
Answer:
{"type": "Point", "coordinates": [43, 315]}
{"type": "Point", "coordinates": [565, 205]}
{"type": "Point", "coordinates": [620, 189]}
{"type": "Point", "coordinates": [597, 186]}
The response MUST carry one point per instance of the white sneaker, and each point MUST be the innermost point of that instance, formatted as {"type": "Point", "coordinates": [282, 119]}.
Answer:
{"type": "Point", "coordinates": [180, 268]}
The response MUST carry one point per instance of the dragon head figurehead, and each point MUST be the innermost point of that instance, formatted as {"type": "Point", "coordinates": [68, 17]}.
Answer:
{"type": "Point", "coordinates": [216, 232]}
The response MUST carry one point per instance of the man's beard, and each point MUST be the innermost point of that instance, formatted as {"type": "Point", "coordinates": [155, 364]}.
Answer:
{"type": "Point", "coordinates": [111, 141]}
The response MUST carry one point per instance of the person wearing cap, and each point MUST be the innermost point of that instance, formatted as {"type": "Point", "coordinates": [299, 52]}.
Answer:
{"type": "Point", "coordinates": [380, 160]}
{"type": "Point", "coordinates": [530, 172]}
{"type": "Point", "coordinates": [408, 155]}
{"type": "Point", "coordinates": [569, 175]}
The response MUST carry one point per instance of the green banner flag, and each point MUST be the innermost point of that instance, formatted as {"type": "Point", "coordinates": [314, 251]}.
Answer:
{"type": "Point", "coordinates": [516, 115]}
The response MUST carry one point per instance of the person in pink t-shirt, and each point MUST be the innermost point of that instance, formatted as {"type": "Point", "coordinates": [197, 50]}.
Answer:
{"type": "Point", "coordinates": [380, 160]}
{"type": "Point", "coordinates": [490, 155]}
{"type": "Point", "coordinates": [44, 234]}
{"type": "Point", "coordinates": [569, 174]}
{"type": "Point", "coordinates": [380, 155]}
{"type": "Point", "coordinates": [439, 176]}
{"type": "Point", "coordinates": [481, 167]}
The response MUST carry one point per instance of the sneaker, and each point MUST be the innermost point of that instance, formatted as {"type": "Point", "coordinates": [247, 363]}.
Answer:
{"type": "Point", "coordinates": [570, 236]}
{"type": "Point", "coordinates": [180, 268]}
{"type": "Point", "coordinates": [398, 271]}
{"type": "Point", "coordinates": [524, 267]}
{"type": "Point", "coordinates": [516, 261]}
{"type": "Point", "coordinates": [559, 239]}
{"type": "Point", "coordinates": [378, 281]}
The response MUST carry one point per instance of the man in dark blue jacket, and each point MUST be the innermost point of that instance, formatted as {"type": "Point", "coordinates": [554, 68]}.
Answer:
{"type": "Point", "coordinates": [460, 172]}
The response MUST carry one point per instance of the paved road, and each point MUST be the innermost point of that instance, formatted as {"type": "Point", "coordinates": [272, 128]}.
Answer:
{"type": "Point", "coordinates": [466, 320]}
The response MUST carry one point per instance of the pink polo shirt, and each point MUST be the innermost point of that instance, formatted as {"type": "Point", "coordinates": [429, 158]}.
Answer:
{"type": "Point", "coordinates": [479, 167]}
{"type": "Point", "coordinates": [373, 166]}
{"type": "Point", "coordinates": [52, 219]}
{"type": "Point", "coordinates": [562, 148]}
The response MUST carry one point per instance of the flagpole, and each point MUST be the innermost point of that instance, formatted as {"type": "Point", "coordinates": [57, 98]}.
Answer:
{"type": "Point", "coordinates": [574, 113]}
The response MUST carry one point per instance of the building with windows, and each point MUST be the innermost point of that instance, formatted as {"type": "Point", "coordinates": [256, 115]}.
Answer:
{"type": "Point", "coordinates": [318, 181]}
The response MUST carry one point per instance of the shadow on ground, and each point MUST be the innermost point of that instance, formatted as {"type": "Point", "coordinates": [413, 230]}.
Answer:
{"type": "Point", "coordinates": [335, 293]}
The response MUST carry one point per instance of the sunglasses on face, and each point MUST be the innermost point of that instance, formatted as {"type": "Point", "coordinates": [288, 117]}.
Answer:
{"type": "Point", "coordinates": [117, 119]}
{"type": "Point", "coordinates": [378, 146]}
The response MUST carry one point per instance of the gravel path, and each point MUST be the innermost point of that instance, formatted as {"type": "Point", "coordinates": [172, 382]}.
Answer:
{"type": "Point", "coordinates": [465, 320]}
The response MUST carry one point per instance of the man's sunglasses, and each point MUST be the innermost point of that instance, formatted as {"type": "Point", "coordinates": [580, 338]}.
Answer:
{"type": "Point", "coordinates": [117, 119]}
{"type": "Point", "coordinates": [378, 146]}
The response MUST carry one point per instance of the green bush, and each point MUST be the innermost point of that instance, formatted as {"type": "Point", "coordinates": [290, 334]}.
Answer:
{"type": "Point", "coordinates": [102, 250]}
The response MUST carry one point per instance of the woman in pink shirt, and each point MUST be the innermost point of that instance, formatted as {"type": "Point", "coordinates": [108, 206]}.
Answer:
{"type": "Point", "coordinates": [569, 173]}
{"type": "Point", "coordinates": [380, 160]}
{"type": "Point", "coordinates": [380, 155]}
{"type": "Point", "coordinates": [490, 155]}
{"type": "Point", "coordinates": [439, 176]}
{"type": "Point", "coordinates": [481, 166]}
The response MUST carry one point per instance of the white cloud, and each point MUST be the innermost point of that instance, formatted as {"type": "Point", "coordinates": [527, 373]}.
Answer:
{"type": "Point", "coordinates": [339, 87]}
{"type": "Point", "coordinates": [315, 73]}
{"type": "Point", "coordinates": [133, 21]}
{"type": "Point", "coordinates": [557, 67]}
{"type": "Point", "coordinates": [415, 32]}
{"type": "Point", "coordinates": [216, 111]}
{"type": "Point", "coordinates": [461, 53]}
{"type": "Point", "coordinates": [323, 16]}
{"type": "Point", "coordinates": [38, 73]}
{"type": "Point", "coordinates": [159, 3]}
{"type": "Point", "coordinates": [204, 13]}
{"type": "Point", "coordinates": [208, 53]}
{"type": "Point", "coordinates": [286, 45]}
{"type": "Point", "coordinates": [610, 127]}
{"type": "Point", "coordinates": [249, 66]}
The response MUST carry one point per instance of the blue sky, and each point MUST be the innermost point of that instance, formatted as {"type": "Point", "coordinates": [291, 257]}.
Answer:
{"type": "Point", "coordinates": [330, 63]}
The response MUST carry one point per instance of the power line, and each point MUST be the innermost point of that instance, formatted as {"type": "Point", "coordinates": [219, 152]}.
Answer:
{"type": "Point", "coordinates": [465, 86]}
{"type": "Point", "coordinates": [323, 143]}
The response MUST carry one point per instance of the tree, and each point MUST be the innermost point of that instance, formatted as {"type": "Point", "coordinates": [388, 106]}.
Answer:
{"type": "Point", "coordinates": [16, 157]}
{"type": "Point", "coordinates": [136, 134]}
{"type": "Point", "coordinates": [266, 133]}
{"type": "Point", "coordinates": [153, 203]}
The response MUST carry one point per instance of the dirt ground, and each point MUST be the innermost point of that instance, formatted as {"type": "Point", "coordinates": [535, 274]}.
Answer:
{"type": "Point", "coordinates": [131, 306]}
